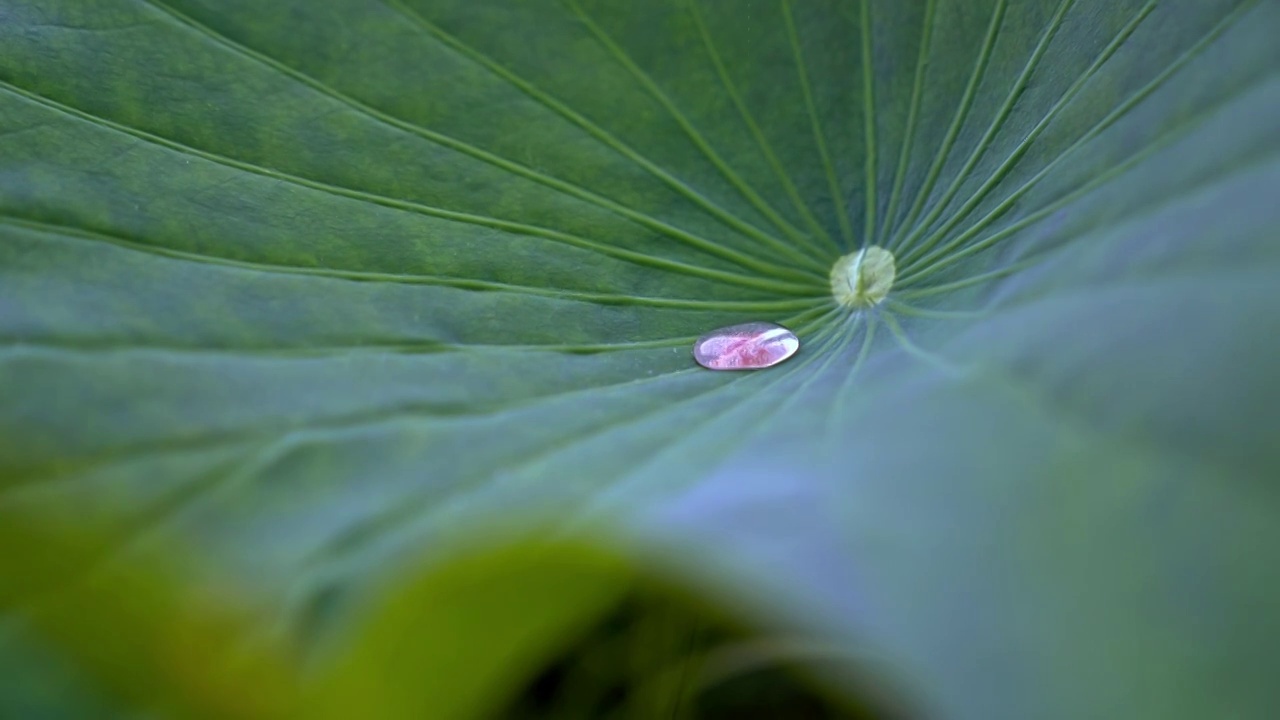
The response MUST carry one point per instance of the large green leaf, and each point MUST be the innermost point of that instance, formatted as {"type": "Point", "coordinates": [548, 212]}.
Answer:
{"type": "Point", "coordinates": [312, 283]}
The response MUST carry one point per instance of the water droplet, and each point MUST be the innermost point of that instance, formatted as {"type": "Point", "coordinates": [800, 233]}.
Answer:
{"type": "Point", "coordinates": [864, 278]}
{"type": "Point", "coordinates": [745, 347]}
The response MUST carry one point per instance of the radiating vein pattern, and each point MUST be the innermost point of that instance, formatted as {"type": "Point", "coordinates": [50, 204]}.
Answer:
{"type": "Point", "coordinates": [333, 279]}
{"type": "Point", "coordinates": [675, 191]}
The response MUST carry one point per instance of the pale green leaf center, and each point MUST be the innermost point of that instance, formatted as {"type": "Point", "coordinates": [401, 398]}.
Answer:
{"type": "Point", "coordinates": [864, 278]}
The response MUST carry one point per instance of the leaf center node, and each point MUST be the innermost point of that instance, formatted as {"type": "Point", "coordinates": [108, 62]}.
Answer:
{"type": "Point", "coordinates": [863, 279]}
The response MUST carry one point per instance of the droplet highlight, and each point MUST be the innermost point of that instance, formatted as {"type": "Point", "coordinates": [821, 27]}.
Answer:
{"type": "Point", "coordinates": [863, 279]}
{"type": "Point", "coordinates": [749, 346]}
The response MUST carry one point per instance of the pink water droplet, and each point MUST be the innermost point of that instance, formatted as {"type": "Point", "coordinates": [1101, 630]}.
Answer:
{"type": "Point", "coordinates": [745, 347]}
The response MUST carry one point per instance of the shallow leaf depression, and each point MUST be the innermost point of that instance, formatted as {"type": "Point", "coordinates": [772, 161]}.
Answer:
{"type": "Point", "coordinates": [309, 284]}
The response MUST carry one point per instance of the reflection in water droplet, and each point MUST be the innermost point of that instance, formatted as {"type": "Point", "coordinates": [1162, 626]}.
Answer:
{"type": "Point", "coordinates": [745, 347]}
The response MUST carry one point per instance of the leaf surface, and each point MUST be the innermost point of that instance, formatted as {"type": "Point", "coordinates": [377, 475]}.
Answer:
{"type": "Point", "coordinates": [311, 284]}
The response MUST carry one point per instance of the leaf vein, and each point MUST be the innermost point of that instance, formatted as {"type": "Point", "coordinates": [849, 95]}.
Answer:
{"type": "Point", "coordinates": [957, 122]}
{"type": "Point", "coordinates": [819, 136]}
{"type": "Point", "coordinates": [702, 144]}
{"type": "Point", "coordinates": [631, 256]}
{"type": "Point", "coordinates": [1114, 46]}
{"type": "Point", "coordinates": [938, 256]}
{"type": "Point", "coordinates": [765, 147]}
{"type": "Point", "coordinates": [560, 185]}
{"type": "Point", "coordinates": [406, 278]}
{"type": "Point", "coordinates": [997, 123]}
